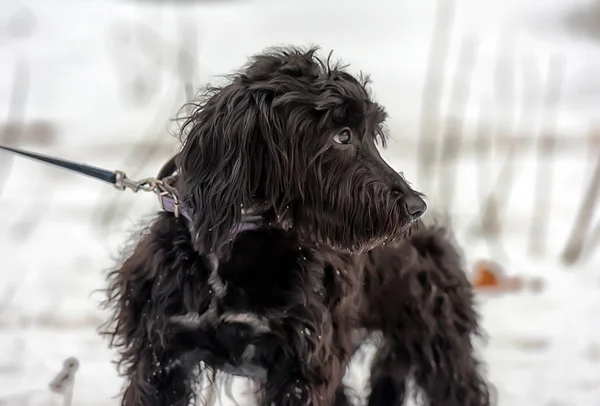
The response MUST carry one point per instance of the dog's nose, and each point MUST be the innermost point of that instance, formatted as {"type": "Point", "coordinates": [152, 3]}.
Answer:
{"type": "Point", "coordinates": [415, 206]}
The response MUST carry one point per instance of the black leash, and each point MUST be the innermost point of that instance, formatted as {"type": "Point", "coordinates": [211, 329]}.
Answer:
{"type": "Point", "coordinates": [161, 185]}
{"type": "Point", "coordinates": [91, 171]}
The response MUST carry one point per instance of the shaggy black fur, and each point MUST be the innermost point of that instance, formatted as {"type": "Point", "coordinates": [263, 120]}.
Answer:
{"type": "Point", "coordinates": [339, 247]}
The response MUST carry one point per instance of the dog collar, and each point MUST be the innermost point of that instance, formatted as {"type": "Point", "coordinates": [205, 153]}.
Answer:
{"type": "Point", "coordinates": [171, 205]}
{"type": "Point", "coordinates": [169, 201]}
{"type": "Point", "coordinates": [250, 219]}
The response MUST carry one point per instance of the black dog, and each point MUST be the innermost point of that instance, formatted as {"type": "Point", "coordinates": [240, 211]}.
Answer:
{"type": "Point", "coordinates": [299, 236]}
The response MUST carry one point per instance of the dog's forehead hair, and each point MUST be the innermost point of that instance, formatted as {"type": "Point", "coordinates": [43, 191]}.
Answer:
{"type": "Point", "coordinates": [297, 70]}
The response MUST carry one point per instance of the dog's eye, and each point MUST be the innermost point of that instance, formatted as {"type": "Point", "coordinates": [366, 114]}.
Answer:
{"type": "Point", "coordinates": [343, 137]}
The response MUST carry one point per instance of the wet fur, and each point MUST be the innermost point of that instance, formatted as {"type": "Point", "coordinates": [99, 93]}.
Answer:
{"type": "Point", "coordinates": [337, 251]}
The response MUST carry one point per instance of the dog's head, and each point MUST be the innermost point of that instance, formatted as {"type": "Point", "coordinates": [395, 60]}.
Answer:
{"type": "Point", "coordinates": [298, 138]}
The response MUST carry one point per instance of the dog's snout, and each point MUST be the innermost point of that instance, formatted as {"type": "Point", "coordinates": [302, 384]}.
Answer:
{"type": "Point", "coordinates": [415, 206]}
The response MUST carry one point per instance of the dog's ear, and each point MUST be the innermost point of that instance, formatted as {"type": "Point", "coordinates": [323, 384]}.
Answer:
{"type": "Point", "coordinates": [222, 160]}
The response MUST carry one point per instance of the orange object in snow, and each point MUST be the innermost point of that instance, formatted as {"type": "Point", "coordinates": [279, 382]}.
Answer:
{"type": "Point", "coordinates": [485, 278]}
{"type": "Point", "coordinates": [486, 275]}
{"type": "Point", "coordinates": [489, 276]}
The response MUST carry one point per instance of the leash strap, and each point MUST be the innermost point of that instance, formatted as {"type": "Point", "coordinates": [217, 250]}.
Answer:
{"type": "Point", "coordinates": [91, 171]}
{"type": "Point", "coordinates": [162, 185]}
{"type": "Point", "coordinates": [167, 194]}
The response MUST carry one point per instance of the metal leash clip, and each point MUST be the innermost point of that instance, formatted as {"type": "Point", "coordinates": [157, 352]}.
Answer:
{"type": "Point", "coordinates": [167, 195]}
{"type": "Point", "coordinates": [122, 182]}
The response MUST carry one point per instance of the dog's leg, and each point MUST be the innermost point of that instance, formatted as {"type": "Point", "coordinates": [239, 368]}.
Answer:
{"type": "Point", "coordinates": [388, 377]}
{"type": "Point", "coordinates": [297, 390]}
{"type": "Point", "coordinates": [150, 386]}
{"type": "Point", "coordinates": [163, 277]}
{"type": "Point", "coordinates": [421, 300]}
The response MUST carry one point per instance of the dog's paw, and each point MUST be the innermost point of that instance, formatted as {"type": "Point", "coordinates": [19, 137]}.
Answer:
{"type": "Point", "coordinates": [241, 334]}
{"type": "Point", "coordinates": [233, 342]}
{"type": "Point", "coordinates": [234, 324]}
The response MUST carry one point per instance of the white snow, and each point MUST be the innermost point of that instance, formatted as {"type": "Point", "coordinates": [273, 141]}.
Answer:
{"type": "Point", "coordinates": [105, 74]}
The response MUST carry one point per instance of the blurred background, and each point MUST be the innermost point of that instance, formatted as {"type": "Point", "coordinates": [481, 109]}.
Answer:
{"type": "Point", "coordinates": [494, 109]}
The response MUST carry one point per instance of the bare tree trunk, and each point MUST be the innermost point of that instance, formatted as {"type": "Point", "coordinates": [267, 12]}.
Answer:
{"type": "Point", "coordinates": [577, 239]}
{"type": "Point", "coordinates": [432, 91]}
{"type": "Point", "coordinates": [16, 117]}
{"type": "Point", "coordinates": [545, 153]}
{"type": "Point", "coordinates": [452, 139]}
{"type": "Point", "coordinates": [504, 182]}
{"type": "Point", "coordinates": [504, 93]}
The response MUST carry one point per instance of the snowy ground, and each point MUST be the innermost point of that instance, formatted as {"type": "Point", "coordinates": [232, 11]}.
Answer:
{"type": "Point", "coordinates": [105, 76]}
